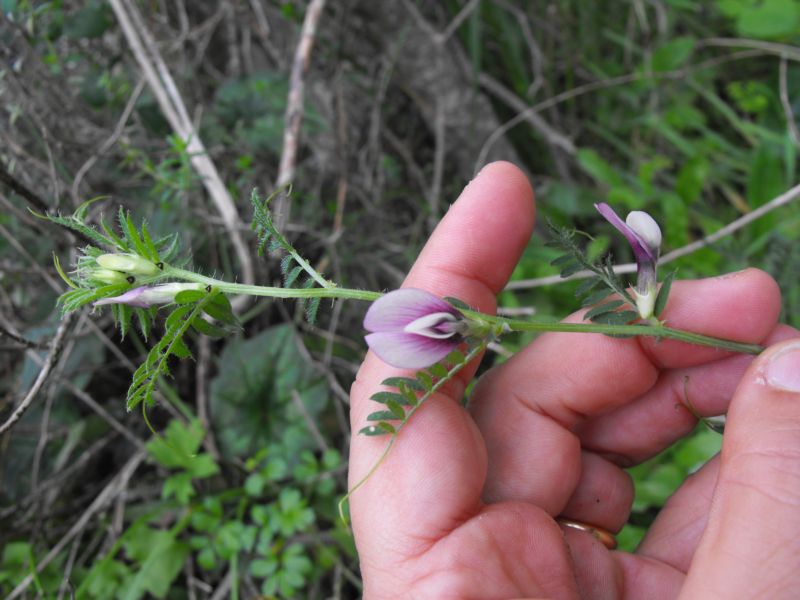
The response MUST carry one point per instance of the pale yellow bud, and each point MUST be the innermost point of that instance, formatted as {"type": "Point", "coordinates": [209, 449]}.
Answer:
{"type": "Point", "coordinates": [131, 264]}
{"type": "Point", "coordinates": [108, 276]}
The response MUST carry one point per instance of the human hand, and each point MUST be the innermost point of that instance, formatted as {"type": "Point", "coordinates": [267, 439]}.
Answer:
{"type": "Point", "coordinates": [465, 504]}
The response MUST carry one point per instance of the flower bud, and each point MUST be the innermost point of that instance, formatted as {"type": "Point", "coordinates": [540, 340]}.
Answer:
{"type": "Point", "coordinates": [144, 296]}
{"type": "Point", "coordinates": [132, 264]}
{"type": "Point", "coordinates": [108, 276]}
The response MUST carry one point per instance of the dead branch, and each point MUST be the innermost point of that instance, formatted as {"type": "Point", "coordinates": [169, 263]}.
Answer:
{"type": "Point", "coordinates": [294, 110]}
{"type": "Point", "coordinates": [52, 357]}
{"type": "Point", "coordinates": [171, 103]}
{"type": "Point", "coordinates": [114, 487]}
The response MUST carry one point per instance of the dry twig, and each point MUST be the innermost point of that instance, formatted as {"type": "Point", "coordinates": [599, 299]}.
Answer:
{"type": "Point", "coordinates": [169, 100]}
{"type": "Point", "coordinates": [50, 362]}
{"type": "Point", "coordinates": [114, 487]}
{"type": "Point", "coordinates": [294, 111]}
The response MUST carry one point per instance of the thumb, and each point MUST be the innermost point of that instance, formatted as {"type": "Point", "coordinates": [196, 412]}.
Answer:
{"type": "Point", "coordinates": [751, 544]}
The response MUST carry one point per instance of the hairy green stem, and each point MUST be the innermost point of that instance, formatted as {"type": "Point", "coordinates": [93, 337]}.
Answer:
{"type": "Point", "coordinates": [275, 292]}
{"type": "Point", "coordinates": [659, 331]}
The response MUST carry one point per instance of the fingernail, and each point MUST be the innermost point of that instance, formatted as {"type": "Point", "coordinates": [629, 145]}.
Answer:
{"type": "Point", "coordinates": [783, 369]}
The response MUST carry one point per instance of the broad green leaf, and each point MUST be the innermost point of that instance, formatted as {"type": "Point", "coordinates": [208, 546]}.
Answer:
{"type": "Point", "coordinates": [769, 19]}
{"type": "Point", "coordinates": [163, 564]}
{"type": "Point", "coordinates": [673, 54]}
{"type": "Point", "coordinates": [251, 396]}
{"type": "Point", "coordinates": [597, 167]}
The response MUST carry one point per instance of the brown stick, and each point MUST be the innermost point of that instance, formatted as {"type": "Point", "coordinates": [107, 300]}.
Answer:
{"type": "Point", "coordinates": [294, 111]}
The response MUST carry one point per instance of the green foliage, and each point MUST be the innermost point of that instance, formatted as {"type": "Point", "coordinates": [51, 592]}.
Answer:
{"type": "Point", "coordinates": [249, 112]}
{"type": "Point", "coordinates": [662, 120]}
{"type": "Point", "coordinates": [765, 19]}
{"type": "Point", "coordinates": [411, 393]}
{"type": "Point", "coordinates": [86, 287]}
{"type": "Point", "coordinates": [156, 365]}
{"type": "Point", "coordinates": [292, 264]}
{"type": "Point", "coordinates": [256, 392]}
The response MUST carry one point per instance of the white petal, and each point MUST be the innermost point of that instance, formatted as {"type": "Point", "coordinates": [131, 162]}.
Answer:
{"type": "Point", "coordinates": [426, 325]}
{"type": "Point", "coordinates": [645, 227]}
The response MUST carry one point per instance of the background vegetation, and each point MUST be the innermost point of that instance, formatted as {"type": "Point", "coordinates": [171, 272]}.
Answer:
{"type": "Point", "coordinates": [682, 108]}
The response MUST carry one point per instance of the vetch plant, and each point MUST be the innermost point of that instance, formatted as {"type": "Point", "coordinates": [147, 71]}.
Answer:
{"type": "Point", "coordinates": [644, 235]}
{"type": "Point", "coordinates": [137, 275]}
{"type": "Point", "coordinates": [413, 329]}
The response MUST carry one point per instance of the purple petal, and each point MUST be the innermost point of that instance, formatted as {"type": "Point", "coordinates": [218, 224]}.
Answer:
{"type": "Point", "coordinates": [397, 309]}
{"type": "Point", "coordinates": [640, 247]}
{"type": "Point", "coordinates": [409, 351]}
{"type": "Point", "coordinates": [131, 298]}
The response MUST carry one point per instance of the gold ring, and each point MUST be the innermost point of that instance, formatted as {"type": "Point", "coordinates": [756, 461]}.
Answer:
{"type": "Point", "coordinates": [605, 537]}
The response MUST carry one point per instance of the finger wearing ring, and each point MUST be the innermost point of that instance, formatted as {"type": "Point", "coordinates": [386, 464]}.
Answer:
{"type": "Point", "coordinates": [605, 537]}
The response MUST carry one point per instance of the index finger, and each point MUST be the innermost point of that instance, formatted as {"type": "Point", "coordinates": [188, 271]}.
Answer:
{"type": "Point", "coordinates": [435, 472]}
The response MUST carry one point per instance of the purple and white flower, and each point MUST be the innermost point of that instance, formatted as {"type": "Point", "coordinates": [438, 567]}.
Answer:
{"type": "Point", "coordinates": [413, 329]}
{"type": "Point", "coordinates": [644, 235]}
{"type": "Point", "coordinates": [147, 296]}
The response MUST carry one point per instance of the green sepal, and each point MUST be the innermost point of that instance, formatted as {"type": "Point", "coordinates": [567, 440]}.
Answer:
{"type": "Point", "coordinates": [456, 303]}
{"type": "Point", "coordinates": [189, 296]}
{"type": "Point", "coordinates": [62, 274]}
{"type": "Point", "coordinates": [663, 293]}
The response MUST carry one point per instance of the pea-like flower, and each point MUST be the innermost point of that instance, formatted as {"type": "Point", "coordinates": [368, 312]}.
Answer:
{"type": "Point", "coordinates": [132, 264]}
{"type": "Point", "coordinates": [644, 235]}
{"type": "Point", "coordinates": [147, 296]}
{"type": "Point", "coordinates": [413, 329]}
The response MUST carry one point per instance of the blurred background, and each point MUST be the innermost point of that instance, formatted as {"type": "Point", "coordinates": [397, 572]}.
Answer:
{"type": "Point", "coordinates": [378, 113]}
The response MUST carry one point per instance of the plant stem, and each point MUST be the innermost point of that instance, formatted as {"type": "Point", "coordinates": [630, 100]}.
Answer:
{"type": "Point", "coordinates": [658, 331]}
{"type": "Point", "coordinates": [275, 292]}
